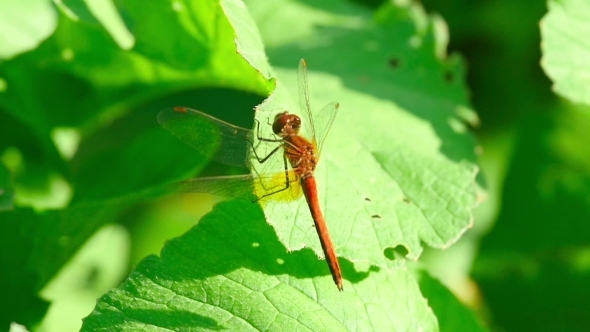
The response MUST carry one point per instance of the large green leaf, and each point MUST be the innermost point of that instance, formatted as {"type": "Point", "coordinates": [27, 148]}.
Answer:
{"type": "Point", "coordinates": [395, 167]}
{"type": "Point", "coordinates": [188, 287]}
{"type": "Point", "coordinates": [566, 51]}
{"type": "Point", "coordinates": [383, 188]}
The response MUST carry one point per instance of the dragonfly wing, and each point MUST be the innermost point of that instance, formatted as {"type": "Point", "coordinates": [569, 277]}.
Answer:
{"type": "Point", "coordinates": [323, 121]}
{"type": "Point", "coordinates": [316, 126]}
{"type": "Point", "coordinates": [211, 137]}
{"type": "Point", "coordinates": [308, 125]}
{"type": "Point", "coordinates": [266, 188]}
{"type": "Point", "coordinates": [238, 186]}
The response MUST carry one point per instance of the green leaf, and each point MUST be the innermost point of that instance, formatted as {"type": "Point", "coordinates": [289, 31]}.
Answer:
{"type": "Point", "coordinates": [23, 25]}
{"type": "Point", "coordinates": [99, 81]}
{"type": "Point", "coordinates": [566, 51]}
{"type": "Point", "coordinates": [398, 164]}
{"type": "Point", "coordinates": [452, 315]}
{"type": "Point", "coordinates": [200, 52]}
{"type": "Point", "coordinates": [51, 237]}
{"type": "Point", "coordinates": [102, 155]}
{"type": "Point", "coordinates": [20, 277]}
{"type": "Point", "coordinates": [36, 245]}
{"type": "Point", "coordinates": [230, 272]}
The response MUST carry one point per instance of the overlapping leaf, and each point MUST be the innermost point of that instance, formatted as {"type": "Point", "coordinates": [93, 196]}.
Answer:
{"type": "Point", "coordinates": [566, 51]}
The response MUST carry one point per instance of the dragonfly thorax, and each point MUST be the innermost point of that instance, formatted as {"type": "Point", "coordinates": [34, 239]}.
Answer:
{"type": "Point", "coordinates": [301, 155]}
{"type": "Point", "coordinates": [286, 124]}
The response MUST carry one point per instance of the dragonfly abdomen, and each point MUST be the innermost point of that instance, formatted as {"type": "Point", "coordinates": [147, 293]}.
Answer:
{"type": "Point", "coordinates": [311, 195]}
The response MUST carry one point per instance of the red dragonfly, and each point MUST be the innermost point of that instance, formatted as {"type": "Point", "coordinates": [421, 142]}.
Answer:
{"type": "Point", "coordinates": [235, 146]}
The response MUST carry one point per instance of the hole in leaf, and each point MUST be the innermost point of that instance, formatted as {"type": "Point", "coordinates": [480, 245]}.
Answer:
{"type": "Point", "coordinates": [395, 253]}
{"type": "Point", "coordinates": [401, 250]}
{"type": "Point", "coordinates": [92, 277]}
{"type": "Point", "coordinates": [394, 62]}
{"type": "Point", "coordinates": [389, 253]}
{"type": "Point", "coordinates": [449, 77]}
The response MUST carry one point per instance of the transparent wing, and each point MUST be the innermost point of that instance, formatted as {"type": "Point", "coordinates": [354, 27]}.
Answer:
{"type": "Point", "coordinates": [308, 127]}
{"type": "Point", "coordinates": [323, 121]}
{"type": "Point", "coordinates": [315, 127]}
{"type": "Point", "coordinates": [238, 186]}
{"type": "Point", "coordinates": [211, 137]}
{"type": "Point", "coordinates": [245, 186]}
{"type": "Point", "coordinates": [227, 144]}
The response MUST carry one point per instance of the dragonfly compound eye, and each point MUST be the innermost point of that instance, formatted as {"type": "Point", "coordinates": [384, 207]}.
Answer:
{"type": "Point", "coordinates": [295, 122]}
{"type": "Point", "coordinates": [280, 122]}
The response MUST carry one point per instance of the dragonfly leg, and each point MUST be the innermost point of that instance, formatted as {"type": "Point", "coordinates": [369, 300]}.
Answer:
{"type": "Point", "coordinates": [287, 182]}
{"type": "Point", "coordinates": [262, 139]}
{"type": "Point", "coordinates": [265, 158]}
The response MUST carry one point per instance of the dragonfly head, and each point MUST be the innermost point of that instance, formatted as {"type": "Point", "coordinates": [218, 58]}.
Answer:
{"type": "Point", "coordinates": [286, 124]}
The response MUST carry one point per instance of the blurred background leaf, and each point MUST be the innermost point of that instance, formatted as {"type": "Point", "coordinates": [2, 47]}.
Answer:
{"type": "Point", "coordinates": [6, 191]}
{"type": "Point", "coordinates": [543, 280]}
{"type": "Point", "coordinates": [565, 50]}
{"type": "Point", "coordinates": [24, 25]}
{"type": "Point", "coordinates": [531, 269]}
{"type": "Point", "coordinates": [79, 138]}
{"type": "Point", "coordinates": [451, 313]}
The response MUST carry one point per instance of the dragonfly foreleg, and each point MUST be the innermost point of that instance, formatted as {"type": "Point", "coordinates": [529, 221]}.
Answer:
{"type": "Point", "coordinates": [262, 139]}
{"type": "Point", "coordinates": [287, 181]}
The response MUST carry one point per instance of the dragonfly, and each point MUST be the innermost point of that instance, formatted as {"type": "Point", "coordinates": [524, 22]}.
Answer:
{"type": "Point", "coordinates": [299, 138]}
